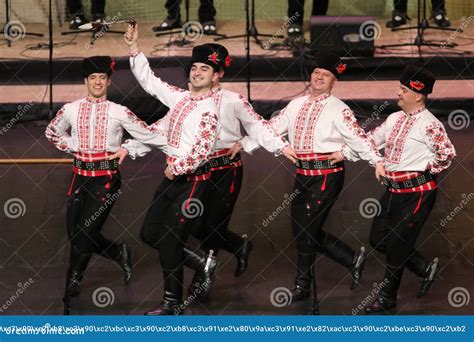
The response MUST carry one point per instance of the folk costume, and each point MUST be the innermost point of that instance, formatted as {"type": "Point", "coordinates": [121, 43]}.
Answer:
{"type": "Point", "coordinates": [190, 128]}
{"type": "Point", "coordinates": [226, 175]}
{"type": "Point", "coordinates": [417, 149]}
{"type": "Point", "coordinates": [96, 127]}
{"type": "Point", "coordinates": [317, 127]}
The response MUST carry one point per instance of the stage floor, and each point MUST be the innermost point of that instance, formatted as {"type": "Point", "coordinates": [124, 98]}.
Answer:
{"type": "Point", "coordinates": [34, 248]}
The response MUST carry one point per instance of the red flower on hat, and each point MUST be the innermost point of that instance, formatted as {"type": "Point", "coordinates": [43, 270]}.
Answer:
{"type": "Point", "coordinates": [112, 65]}
{"type": "Point", "coordinates": [214, 57]}
{"type": "Point", "coordinates": [341, 68]}
{"type": "Point", "coordinates": [227, 61]}
{"type": "Point", "coordinates": [416, 85]}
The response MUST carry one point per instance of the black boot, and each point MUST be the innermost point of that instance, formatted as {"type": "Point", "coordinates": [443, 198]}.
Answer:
{"type": "Point", "coordinates": [73, 289]}
{"type": "Point", "coordinates": [387, 299]}
{"type": "Point", "coordinates": [73, 283]}
{"type": "Point", "coordinates": [398, 19]}
{"type": "Point", "coordinates": [172, 303]}
{"type": "Point", "coordinates": [383, 303]}
{"type": "Point", "coordinates": [304, 276]}
{"type": "Point", "coordinates": [241, 247]}
{"type": "Point", "coordinates": [357, 268]}
{"type": "Point", "coordinates": [315, 309]}
{"type": "Point", "coordinates": [417, 264]}
{"type": "Point", "coordinates": [196, 263]}
{"type": "Point", "coordinates": [342, 253]}
{"type": "Point", "coordinates": [168, 24]}
{"type": "Point", "coordinates": [77, 266]}
{"type": "Point", "coordinates": [430, 275]}
{"type": "Point", "coordinates": [426, 271]}
{"type": "Point", "coordinates": [77, 21]}
{"type": "Point", "coordinates": [242, 255]}
{"type": "Point", "coordinates": [204, 272]}
{"type": "Point", "coordinates": [125, 261]}
{"type": "Point", "coordinates": [168, 307]}
{"type": "Point", "coordinates": [440, 19]}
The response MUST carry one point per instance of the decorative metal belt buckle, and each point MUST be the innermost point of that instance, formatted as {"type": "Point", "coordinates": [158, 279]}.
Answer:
{"type": "Point", "coordinates": [408, 183]}
{"type": "Point", "coordinates": [213, 163]}
{"type": "Point", "coordinates": [226, 160]}
{"type": "Point", "coordinates": [115, 163]}
{"type": "Point", "coordinates": [394, 184]}
{"type": "Point", "coordinates": [318, 164]}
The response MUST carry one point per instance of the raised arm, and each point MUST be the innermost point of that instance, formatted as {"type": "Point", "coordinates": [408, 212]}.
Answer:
{"type": "Point", "coordinates": [153, 85]}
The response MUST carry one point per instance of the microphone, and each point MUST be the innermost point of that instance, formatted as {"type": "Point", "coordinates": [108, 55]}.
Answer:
{"type": "Point", "coordinates": [97, 26]}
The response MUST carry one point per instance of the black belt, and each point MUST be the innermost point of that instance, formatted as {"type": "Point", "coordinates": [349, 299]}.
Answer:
{"type": "Point", "coordinates": [317, 164]}
{"type": "Point", "coordinates": [100, 165]}
{"type": "Point", "coordinates": [409, 183]}
{"type": "Point", "coordinates": [224, 161]}
{"type": "Point", "coordinates": [201, 170]}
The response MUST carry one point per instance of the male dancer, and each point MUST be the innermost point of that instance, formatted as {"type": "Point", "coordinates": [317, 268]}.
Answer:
{"type": "Point", "coordinates": [227, 173]}
{"type": "Point", "coordinates": [417, 148]}
{"type": "Point", "coordinates": [190, 129]}
{"type": "Point", "coordinates": [318, 126]}
{"type": "Point", "coordinates": [95, 141]}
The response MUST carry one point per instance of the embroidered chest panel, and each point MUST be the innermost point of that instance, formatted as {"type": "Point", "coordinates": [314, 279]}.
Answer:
{"type": "Point", "coordinates": [397, 138]}
{"type": "Point", "coordinates": [179, 114]}
{"type": "Point", "coordinates": [92, 122]}
{"type": "Point", "coordinates": [305, 125]}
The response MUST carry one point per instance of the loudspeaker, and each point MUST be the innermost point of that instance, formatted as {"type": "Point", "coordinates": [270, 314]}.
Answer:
{"type": "Point", "coordinates": [125, 90]}
{"type": "Point", "coordinates": [344, 36]}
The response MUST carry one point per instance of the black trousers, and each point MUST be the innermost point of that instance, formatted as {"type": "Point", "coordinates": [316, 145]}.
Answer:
{"type": "Point", "coordinates": [89, 203]}
{"type": "Point", "coordinates": [177, 206]}
{"type": "Point", "coordinates": [224, 191]}
{"type": "Point", "coordinates": [206, 12]}
{"type": "Point", "coordinates": [75, 7]}
{"type": "Point", "coordinates": [315, 198]}
{"type": "Point", "coordinates": [394, 233]}
{"type": "Point", "coordinates": [401, 5]}
{"type": "Point", "coordinates": [320, 7]}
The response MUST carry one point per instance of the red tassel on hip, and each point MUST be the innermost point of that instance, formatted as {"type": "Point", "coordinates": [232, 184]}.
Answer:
{"type": "Point", "coordinates": [191, 195]}
{"type": "Point", "coordinates": [232, 187]}
{"type": "Point", "coordinates": [418, 204]}
{"type": "Point", "coordinates": [107, 185]}
{"type": "Point", "coordinates": [72, 184]}
{"type": "Point", "coordinates": [323, 186]}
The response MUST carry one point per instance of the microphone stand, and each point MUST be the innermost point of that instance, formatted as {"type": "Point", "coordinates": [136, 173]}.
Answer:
{"type": "Point", "coordinates": [422, 25]}
{"type": "Point", "coordinates": [50, 58]}
{"type": "Point", "coordinates": [251, 28]}
{"type": "Point", "coordinates": [7, 21]}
